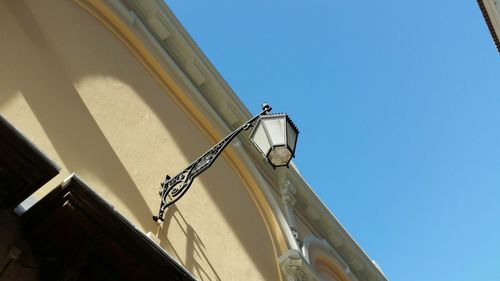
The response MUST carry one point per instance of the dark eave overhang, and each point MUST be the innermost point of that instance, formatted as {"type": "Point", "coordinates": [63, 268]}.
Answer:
{"type": "Point", "coordinates": [487, 18]}
{"type": "Point", "coordinates": [72, 221]}
{"type": "Point", "coordinates": [23, 167]}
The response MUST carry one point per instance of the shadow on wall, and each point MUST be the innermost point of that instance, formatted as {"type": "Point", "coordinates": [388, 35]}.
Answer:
{"type": "Point", "coordinates": [45, 71]}
{"type": "Point", "coordinates": [60, 110]}
{"type": "Point", "coordinates": [195, 249]}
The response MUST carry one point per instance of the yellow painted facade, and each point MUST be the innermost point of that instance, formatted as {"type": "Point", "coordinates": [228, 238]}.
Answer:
{"type": "Point", "coordinates": [90, 84]}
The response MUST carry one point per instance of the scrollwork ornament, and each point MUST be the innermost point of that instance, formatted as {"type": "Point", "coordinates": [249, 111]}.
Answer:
{"type": "Point", "coordinates": [170, 191]}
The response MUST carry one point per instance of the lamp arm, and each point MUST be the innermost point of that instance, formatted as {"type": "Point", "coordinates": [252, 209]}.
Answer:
{"type": "Point", "coordinates": [171, 193]}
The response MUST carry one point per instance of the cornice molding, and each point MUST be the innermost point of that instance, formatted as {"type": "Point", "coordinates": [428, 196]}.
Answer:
{"type": "Point", "coordinates": [490, 13]}
{"type": "Point", "coordinates": [170, 33]}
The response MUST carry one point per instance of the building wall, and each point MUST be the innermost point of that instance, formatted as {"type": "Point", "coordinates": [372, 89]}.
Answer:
{"type": "Point", "coordinates": [80, 94]}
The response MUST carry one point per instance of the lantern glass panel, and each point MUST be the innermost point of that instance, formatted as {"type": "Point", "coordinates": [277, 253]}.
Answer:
{"type": "Point", "coordinates": [291, 135]}
{"type": "Point", "coordinates": [276, 129]}
{"type": "Point", "coordinates": [259, 138]}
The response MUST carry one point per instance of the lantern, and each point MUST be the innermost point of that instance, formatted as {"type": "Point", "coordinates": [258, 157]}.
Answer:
{"type": "Point", "coordinates": [275, 136]}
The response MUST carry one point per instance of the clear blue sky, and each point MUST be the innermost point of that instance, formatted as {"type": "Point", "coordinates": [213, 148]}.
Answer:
{"type": "Point", "coordinates": [399, 110]}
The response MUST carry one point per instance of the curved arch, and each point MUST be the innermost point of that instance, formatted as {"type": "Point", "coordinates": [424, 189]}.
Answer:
{"type": "Point", "coordinates": [111, 20]}
{"type": "Point", "coordinates": [79, 75]}
{"type": "Point", "coordinates": [327, 272]}
{"type": "Point", "coordinates": [325, 260]}
{"type": "Point", "coordinates": [237, 160]}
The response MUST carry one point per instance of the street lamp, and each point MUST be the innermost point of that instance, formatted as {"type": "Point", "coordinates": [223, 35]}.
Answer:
{"type": "Point", "coordinates": [274, 135]}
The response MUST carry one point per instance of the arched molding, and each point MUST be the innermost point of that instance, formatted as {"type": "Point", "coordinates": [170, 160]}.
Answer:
{"type": "Point", "coordinates": [318, 252]}
{"type": "Point", "coordinates": [146, 27]}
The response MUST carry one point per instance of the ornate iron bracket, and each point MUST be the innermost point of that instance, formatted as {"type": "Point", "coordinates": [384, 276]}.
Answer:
{"type": "Point", "coordinates": [170, 191]}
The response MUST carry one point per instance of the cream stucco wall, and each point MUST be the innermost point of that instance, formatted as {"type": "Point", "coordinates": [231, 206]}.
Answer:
{"type": "Point", "coordinates": [85, 99]}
